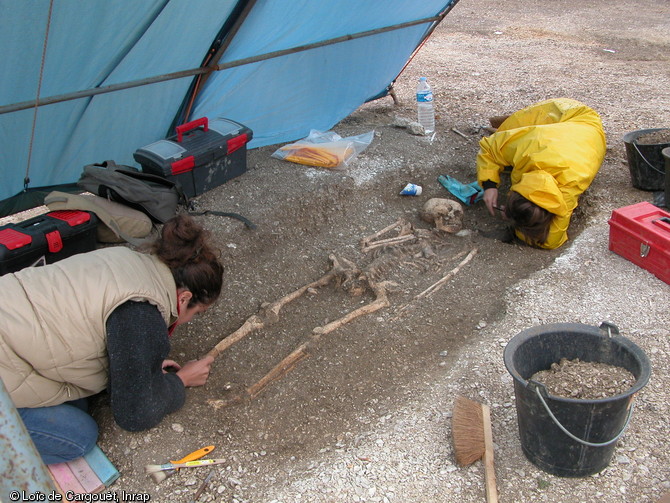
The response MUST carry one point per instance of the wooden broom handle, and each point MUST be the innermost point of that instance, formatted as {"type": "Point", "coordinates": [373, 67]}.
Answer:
{"type": "Point", "coordinates": [489, 470]}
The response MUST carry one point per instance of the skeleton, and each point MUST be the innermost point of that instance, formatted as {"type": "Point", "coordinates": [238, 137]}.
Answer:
{"type": "Point", "coordinates": [417, 244]}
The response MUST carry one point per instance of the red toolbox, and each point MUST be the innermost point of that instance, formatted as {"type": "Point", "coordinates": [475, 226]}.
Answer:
{"type": "Point", "coordinates": [641, 234]}
{"type": "Point", "coordinates": [46, 238]}
{"type": "Point", "coordinates": [201, 156]}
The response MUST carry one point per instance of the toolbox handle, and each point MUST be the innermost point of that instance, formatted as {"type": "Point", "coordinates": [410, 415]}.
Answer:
{"type": "Point", "coordinates": [663, 222]}
{"type": "Point", "coordinates": [202, 121]}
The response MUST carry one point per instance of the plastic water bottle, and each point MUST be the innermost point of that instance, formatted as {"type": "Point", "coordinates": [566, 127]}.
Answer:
{"type": "Point", "coordinates": [424, 105]}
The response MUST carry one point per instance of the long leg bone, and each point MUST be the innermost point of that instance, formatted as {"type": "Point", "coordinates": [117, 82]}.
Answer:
{"type": "Point", "coordinates": [281, 369]}
{"type": "Point", "coordinates": [381, 301]}
{"type": "Point", "coordinates": [300, 353]}
{"type": "Point", "coordinates": [270, 313]}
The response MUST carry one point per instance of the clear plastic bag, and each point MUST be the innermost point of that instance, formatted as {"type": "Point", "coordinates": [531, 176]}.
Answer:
{"type": "Point", "coordinates": [325, 149]}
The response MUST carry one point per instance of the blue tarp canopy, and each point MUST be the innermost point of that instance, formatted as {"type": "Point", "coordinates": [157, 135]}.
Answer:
{"type": "Point", "coordinates": [84, 82]}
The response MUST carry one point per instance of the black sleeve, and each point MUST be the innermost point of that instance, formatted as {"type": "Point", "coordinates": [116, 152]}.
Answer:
{"type": "Point", "coordinates": [488, 184]}
{"type": "Point", "coordinates": [137, 343]}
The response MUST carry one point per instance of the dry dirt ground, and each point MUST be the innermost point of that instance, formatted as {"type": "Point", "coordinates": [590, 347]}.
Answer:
{"type": "Point", "coordinates": [366, 417]}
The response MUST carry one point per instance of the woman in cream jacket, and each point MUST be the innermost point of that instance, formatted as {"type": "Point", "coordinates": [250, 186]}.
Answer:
{"type": "Point", "coordinates": [101, 321]}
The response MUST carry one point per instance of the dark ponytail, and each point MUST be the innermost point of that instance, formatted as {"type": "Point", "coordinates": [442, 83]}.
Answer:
{"type": "Point", "coordinates": [527, 217]}
{"type": "Point", "coordinates": [184, 247]}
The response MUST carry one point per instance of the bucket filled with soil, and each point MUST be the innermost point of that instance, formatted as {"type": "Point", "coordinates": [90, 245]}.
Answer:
{"type": "Point", "coordinates": [645, 160]}
{"type": "Point", "coordinates": [574, 386]}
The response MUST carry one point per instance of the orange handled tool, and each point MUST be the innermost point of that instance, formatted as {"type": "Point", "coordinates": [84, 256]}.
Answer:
{"type": "Point", "coordinates": [161, 476]}
{"type": "Point", "coordinates": [194, 455]}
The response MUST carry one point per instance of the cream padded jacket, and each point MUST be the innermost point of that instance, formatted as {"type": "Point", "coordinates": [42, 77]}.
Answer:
{"type": "Point", "coordinates": [52, 321]}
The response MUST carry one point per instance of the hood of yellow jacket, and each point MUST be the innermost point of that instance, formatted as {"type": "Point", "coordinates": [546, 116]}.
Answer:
{"type": "Point", "coordinates": [540, 187]}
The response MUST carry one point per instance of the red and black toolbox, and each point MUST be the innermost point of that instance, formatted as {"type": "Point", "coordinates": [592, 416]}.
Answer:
{"type": "Point", "coordinates": [641, 234]}
{"type": "Point", "coordinates": [201, 156]}
{"type": "Point", "coordinates": [46, 238]}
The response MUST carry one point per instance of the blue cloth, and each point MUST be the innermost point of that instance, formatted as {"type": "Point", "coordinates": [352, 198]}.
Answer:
{"type": "Point", "coordinates": [469, 194]}
{"type": "Point", "coordinates": [62, 432]}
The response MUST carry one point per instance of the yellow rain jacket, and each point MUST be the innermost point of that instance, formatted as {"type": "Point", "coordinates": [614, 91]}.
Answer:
{"type": "Point", "coordinates": [555, 149]}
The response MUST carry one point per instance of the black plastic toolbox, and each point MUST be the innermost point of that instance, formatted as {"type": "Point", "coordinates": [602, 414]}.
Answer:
{"type": "Point", "coordinates": [201, 156]}
{"type": "Point", "coordinates": [46, 238]}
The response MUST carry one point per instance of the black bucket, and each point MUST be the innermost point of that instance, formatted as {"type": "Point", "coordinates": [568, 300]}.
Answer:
{"type": "Point", "coordinates": [647, 168]}
{"type": "Point", "coordinates": [563, 436]}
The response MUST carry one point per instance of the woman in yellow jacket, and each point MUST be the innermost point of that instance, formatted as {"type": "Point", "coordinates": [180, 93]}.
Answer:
{"type": "Point", "coordinates": [554, 148]}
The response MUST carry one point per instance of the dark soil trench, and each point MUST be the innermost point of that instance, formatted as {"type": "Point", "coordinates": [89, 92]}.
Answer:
{"type": "Point", "coordinates": [353, 376]}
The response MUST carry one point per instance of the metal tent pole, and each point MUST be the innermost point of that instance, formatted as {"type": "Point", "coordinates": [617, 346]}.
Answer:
{"type": "Point", "coordinates": [14, 107]}
{"type": "Point", "coordinates": [21, 467]}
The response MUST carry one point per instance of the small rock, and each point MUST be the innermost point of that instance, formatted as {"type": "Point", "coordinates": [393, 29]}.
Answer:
{"type": "Point", "coordinates": [623, 459]}
{"type": "Point", "coordinates": [416, 129]}
{"type": "Point", "coordinates": [401, 122]}
{"type": "Point", "coordinates": [177, 427]}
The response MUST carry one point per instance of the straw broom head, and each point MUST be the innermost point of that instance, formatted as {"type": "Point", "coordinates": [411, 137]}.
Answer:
{"type": "Point", "coordinates": [467, 430]}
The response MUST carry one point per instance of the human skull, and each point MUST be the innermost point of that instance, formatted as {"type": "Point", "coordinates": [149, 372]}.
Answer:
{"type": "Point", "coordinates": [445, 214]}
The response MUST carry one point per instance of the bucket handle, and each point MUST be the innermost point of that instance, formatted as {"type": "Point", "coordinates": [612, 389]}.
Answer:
{"type": "Point", "coordinates": [577, 439]}
{"type": "Point", "coordinates": [609, 329]}
{"type": "Point", "coordinates": [645, 160]}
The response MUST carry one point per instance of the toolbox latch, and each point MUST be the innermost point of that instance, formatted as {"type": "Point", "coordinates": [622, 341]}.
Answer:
{"type": "Point", "coordinates": [237, 142]}
{"type": "Point", "coordinates": [183, 165]}
{"type": "Point", "coordinates": [644, 249]}
{"type": "Point", "coordinates": [54, 241]}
